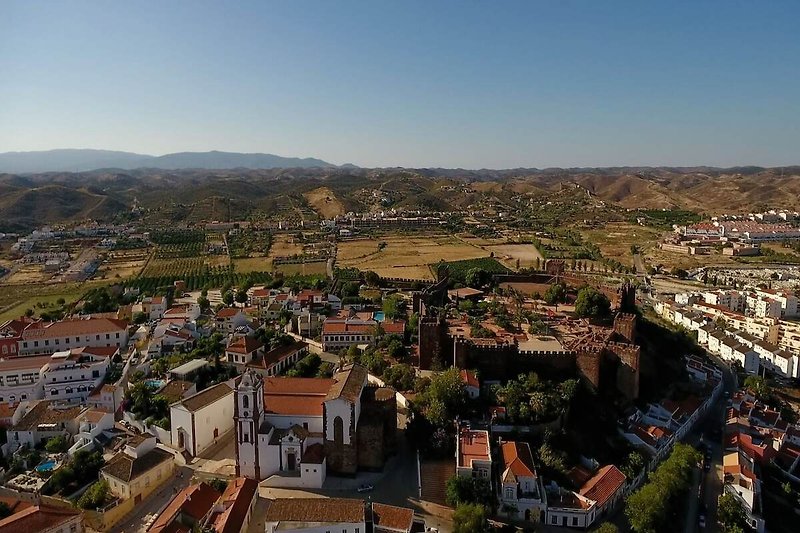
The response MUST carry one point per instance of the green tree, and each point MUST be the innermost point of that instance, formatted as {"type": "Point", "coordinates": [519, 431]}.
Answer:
{"type": "Point", "coordinates": [203, 302]}
{"type": "Point", "coordinates": [758, 386]}
{"type": "Point", "coordinates": [57, 444]}
{"type": "Point", "coordinates": [731, 514]}
{"type": "Point", "coordinates": [394, 306]}
{"type": "Point", "coordinates": [372, 279]}
{"type": "Point", "coordinates": [139, 318]}
{"type": "Point", "coordinates": [241, 296]}
{"type": "Point", "coordinates": [476, 277]}
{"type": "Point", "coordinates": [469, 518]}
{"type": "Point", "coordinates": [227, 298]}
{"type": "Point", "coordinates": [634, 463]}
{"type": "Point", "coordinates": [401, 377]}
{"type": "Point", "coordinates": [448, 388]}
{"type": "Point", "coordinates": [556, 293]}
{"type": "Point", "coordinates": [607, 527]}
{"type": "Point", "coordinates": [592, 303]}
{"type": "Point", "coordinates": [461, 489]}
{"type": "Point", "coordinates": [94, 496]}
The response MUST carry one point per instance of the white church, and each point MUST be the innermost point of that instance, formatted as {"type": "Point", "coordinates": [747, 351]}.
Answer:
{"type": "Point", "coordinates": [298, 428]}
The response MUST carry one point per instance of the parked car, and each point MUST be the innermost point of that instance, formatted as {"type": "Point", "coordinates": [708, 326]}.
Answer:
{"type": "Point", "coordinates": [701, 521]}
{"type": "Point", "coordinates": [365, 488]}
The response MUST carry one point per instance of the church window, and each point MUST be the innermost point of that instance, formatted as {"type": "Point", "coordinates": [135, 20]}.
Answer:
{"type": "Point", "coordinates": [245, 402]}
{"type": "Point", "coordinates": [338, 430]}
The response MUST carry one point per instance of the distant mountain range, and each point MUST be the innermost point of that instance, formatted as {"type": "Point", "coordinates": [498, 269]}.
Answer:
{"type": "Point", "coordinates": [77, 160]}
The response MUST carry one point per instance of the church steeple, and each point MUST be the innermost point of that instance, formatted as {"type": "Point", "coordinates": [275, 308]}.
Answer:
{"type": "Point", "coordinates": [248, 416]}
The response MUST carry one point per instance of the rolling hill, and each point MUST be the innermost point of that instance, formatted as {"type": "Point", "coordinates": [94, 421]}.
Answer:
{"type": "Point", "coordinates": [78, 160]}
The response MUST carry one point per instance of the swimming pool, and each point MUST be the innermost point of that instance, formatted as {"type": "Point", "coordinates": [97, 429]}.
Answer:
{"type": "Point", "coordinates": [154, 384]}
{"type": "Point", "coordinates": [46, 466]}
{"type": "Point", "coordinates": [379, 316]}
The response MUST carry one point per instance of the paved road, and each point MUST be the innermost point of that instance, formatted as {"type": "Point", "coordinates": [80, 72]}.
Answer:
{"type": "Point", "coordinates": [711, 481]}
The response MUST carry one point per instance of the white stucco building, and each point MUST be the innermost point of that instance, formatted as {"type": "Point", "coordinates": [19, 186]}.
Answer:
{"type": "Point", "coordinates": [198, 421]}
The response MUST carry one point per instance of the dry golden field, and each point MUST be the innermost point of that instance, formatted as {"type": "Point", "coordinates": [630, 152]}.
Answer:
{"type": "Point", "coordinates": [405, 256]}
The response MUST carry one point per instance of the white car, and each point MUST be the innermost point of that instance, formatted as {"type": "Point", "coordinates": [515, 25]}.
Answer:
{"type": "Point", "coordinates": [365, 488]}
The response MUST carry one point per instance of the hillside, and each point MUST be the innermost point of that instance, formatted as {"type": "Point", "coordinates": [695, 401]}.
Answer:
{"type": "Point", "coordinates": [73, 160]}
{"type": "Point", "coordinates": [310, 193]}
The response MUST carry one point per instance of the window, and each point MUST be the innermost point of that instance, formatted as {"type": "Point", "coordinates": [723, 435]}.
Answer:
{"type": "Point", "coordinates": [36, 344]}
{"type": "Point", "coordinates": [554, 519]}
{"type": "Point", "coordinates": [56, 341]}
{"type": "Point", "coordinates": [46, 342]}
{"type": "Point", "coordinates": [245, 402]}
{"type": "Point", "coordinates": [574, 520]}
{"type": "Point", "coordinates": [24, 344]}
{"type": "Point", "coordinates": [97, 337]}
{"type": "Point", "coordinates": [108, 336]}
{"type": "Point", "coordinates": [118, 335]}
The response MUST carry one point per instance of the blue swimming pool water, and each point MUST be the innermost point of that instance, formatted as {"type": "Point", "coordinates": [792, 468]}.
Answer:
{"type": "Point", "coordinates": [378, 315]}
{"type": "Point", "coordinates": [46, 466]}
{"type": "Point", "coordinates": [154, 383]}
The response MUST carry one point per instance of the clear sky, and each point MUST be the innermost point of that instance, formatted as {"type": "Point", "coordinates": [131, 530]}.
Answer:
{"type": "Point", "coordinates": [422, 83]}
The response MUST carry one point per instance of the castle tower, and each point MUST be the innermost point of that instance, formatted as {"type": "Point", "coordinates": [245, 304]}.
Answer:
{"type": "Point", "coordinates": [248, 416]}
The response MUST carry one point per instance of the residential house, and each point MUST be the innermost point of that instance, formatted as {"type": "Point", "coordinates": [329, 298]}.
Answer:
{"type": "Point", "coordinates": [187, 510]}
{"type": "Point", "coordinates": [521, 490]}
{"type": "Point", "coordinates": [139, 469]}
{"type": "Point", "coordinates": [36, 422]}
{"type": "Point", "coordinates": [243, 349]}
{"type": "Point", "coordinates": [471, 384]}
{"type": "Point", "coordinates": [315, 515]}
{"type": "Point", "coordinates": [390, 519]}
{"type": "Point", "coordinates": [107, 397]}
{"type": "Point", "coordinates": [605, 488]}
{"type": "Point", "coordinates": [278, 360]}
{"type": "Point", "coordinates": [473, 453]}
{"type": "Point", "coordinates": [228, 319]}
{"type": "Point", "coordinates": [199, 421]}
{"type": "Point", "coordinates": [234, 509]}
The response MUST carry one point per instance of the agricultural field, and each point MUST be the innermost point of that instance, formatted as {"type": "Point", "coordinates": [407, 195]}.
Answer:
{"type": "Point", "coordinates": [615, 240]}
{"type": "Point", "coordinates": [324, 201]}
{"type": "Point", "coordinates": [285, 244]}
{"type": "Point", "coordinates": [318, 268]}
{"type": "Point", "coordinates": [458, 269]}
{"type": "Point", "coordinates": [16, 299]}
{"type": "Point", "coordinates": [252, 264]}
{"type": "Point", "coordinates": [247, 243]}
{"type": "Point", "coordinates": [509, 254]}
{"type": "Point", "coordinates": [27, 274]}
{"type": "Point", "coordinates": [405, 256]}
{"type": "Point", "coordinates": [123, 264]}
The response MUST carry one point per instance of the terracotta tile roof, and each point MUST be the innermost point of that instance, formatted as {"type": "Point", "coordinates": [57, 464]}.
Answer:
{"type": "Point", "coordinates": [206, 397]}
{"type": "Point", "coordinates": [44, 413]}
{"type": "Point", "coordinates": [295, 396]}
{"type": "Point", "coordinates": [315, 510]}
{"type": "Point", "coordinates": [260, 293]}
{"type": "Point", "coordinates": [195, 501]}
{"type": "Point", "coordinates": [394, 326]}
{"type": "Point", "coordinates": [66, 328]}
{"type": "Point", "coordinates": [94, 415]}
{"type": "Point", "coordinates": [348, 384]}
{"type": "Point", "coordinates": [469, 378]}
{"type": "Point", "coordinates": [227, 312]}
{"type": "Point", "coordinates": [24, 363]}
{"type": "Point", "coordinates": [314, 454]}
{"type": "Point", "coordinates": [603, 485]}
{"type": "Point", "coordinates": [244, 345]}
{"type": "Point", "coordinates": [175, 389]}
{"type": "Point", "coordinates": [473, 446]}
{"type": "Point", "coordinates": [37, 518]}
{"type": "Point", "coordinates": [236, 500]}
{"type": "Point", "coordinates": [278, 354]}
{"type": "Point", "coordinates": [15, 505]}
{"type": "Point", "coordinates": [126, 468]}
{"type": "Point", "coordinates": [391, 517]}
{"type": "Point", "coordinates": [7, 410]}
{"type": "Point", "coordinates": [518, 461]}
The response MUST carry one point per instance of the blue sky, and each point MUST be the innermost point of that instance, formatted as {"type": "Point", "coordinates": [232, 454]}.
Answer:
{"type": "Point", "coordinates": [424, 83]}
